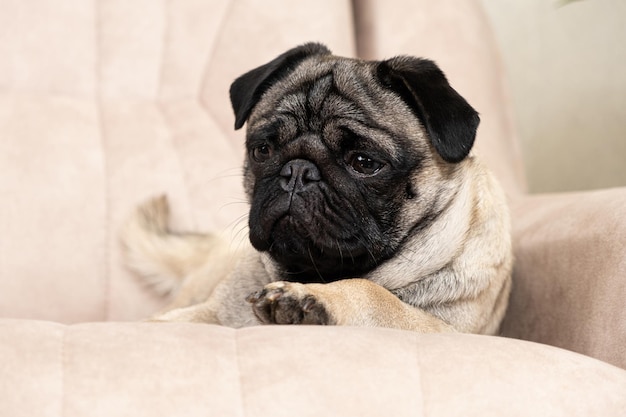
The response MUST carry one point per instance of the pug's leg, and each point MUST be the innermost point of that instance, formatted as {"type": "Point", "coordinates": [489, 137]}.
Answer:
{"type": "Point", "coordinates": [226, 305]}
{"type": "Point", "coordinates": [198, 313]}
{"type": "Point", "coordinates": [350, 302]}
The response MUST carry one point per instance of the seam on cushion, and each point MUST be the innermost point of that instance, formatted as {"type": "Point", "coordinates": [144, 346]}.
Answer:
{"type": "Point", "coordinates": [62, 360]}
{"type": "Point", "coordinates": [106, 307]}
{"type": "Point", "coordinates": [179, 161]}
{"type": "Point", "coordinates": [106, 302]}
{"type": "Point", "coordinates": [216, 41]}
{"type": "Point", "coordinates": [160, 103]}
{"type": "Point", "coordinates": [205, 72]}
{"type": "Point", "coordinates": [416, 337]}
{"type": "Point", "coordinates": [356, 19]}
{"type": "Point", "coordinates": [209, 113]}
{"type": "Point", "coordinates": [242, 411]}
{"type": "Point", "coordinates": [164, 42]}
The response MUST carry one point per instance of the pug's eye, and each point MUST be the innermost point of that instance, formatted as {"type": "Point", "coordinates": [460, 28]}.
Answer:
{"type": "Point", "coordinates": [262, 152]}
{"type": "Point", "coordinates": [363, 164]}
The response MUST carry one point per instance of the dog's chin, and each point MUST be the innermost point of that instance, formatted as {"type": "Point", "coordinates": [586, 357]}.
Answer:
{"type": "Point", "coordinates": [303, 257]}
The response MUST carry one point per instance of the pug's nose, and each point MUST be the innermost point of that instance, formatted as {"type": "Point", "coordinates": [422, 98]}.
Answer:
{"type": "Point", "coordinates": [298, 175]}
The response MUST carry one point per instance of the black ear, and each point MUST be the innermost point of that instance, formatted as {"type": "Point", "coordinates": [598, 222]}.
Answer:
{"type": "Point", "coordinates": [450, 121]}
{"type": "Point", "coordinates": [246, 90]}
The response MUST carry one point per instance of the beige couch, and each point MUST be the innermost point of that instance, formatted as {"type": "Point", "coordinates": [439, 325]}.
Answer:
{"type": "Point", "coordinates": [104, 103]}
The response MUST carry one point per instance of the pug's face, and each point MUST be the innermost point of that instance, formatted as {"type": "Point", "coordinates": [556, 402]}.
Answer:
{"type": "Point", "coordinates": [346, 159]}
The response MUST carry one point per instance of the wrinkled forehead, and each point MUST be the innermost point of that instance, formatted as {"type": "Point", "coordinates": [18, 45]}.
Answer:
{"type": "Point", "coordinates": [323, 95]}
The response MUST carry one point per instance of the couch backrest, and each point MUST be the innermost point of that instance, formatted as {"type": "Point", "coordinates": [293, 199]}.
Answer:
{"type": "Point", "coordinates": [105, 103]}
{"type": "Point", "coordinates": [457, 35]}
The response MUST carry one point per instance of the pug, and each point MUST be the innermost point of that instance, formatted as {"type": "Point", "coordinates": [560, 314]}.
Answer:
{"type": "Point", "coordinates": [366, 207]}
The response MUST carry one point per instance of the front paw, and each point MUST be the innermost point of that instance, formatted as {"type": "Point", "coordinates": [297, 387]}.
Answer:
{"type": "Point", "coordinates": [287, 303]}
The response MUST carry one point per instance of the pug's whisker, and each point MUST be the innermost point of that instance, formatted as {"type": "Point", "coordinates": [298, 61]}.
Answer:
{"type": "Point", "coordinates": [240, 236]}
{"type": "Point", "coordinates": [234, 203]}
{"type": "Point", "coordinates": [227, 173]}
{"type": "Point", "coordinates": [340, 252]}
{"type": "Point", "coordinates": [241, 232]}
{"type": "Point", "coordinates": [236, 222]}
{"type": "Point", "coordinates": [315, 266]}
{"type": "Point", "coordinates": [367, 248]}
{"type": "Point", "coordinates": [231, 204]}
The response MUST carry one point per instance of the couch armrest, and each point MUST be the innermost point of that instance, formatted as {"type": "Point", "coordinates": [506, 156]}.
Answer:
{"type": "Point", "coordinates": [570, 273]}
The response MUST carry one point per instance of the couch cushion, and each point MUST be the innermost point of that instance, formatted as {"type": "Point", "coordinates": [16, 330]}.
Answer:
{"type": "Point", "coordinates": [155, 370]}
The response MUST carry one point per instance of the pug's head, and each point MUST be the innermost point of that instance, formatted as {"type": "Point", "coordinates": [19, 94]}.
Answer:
{"type": "Point", "coordinates": [347, 159]}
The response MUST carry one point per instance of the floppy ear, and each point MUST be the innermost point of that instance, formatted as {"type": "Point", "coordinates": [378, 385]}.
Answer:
{"type": "Point", "coordinates": [247, 90]}
{"type": "Point", "coordinates": [449, 120]}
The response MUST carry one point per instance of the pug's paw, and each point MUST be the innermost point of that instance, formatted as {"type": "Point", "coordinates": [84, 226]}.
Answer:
{"type": "Point", "coordinates": [288, 303]}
